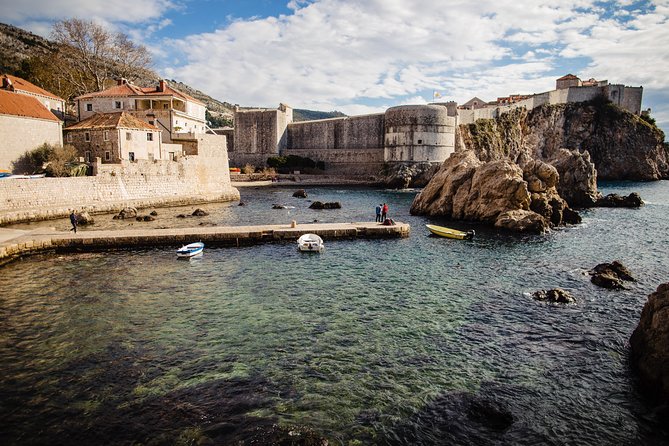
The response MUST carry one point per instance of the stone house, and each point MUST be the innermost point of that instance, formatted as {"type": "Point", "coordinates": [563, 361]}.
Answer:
{"type": "Point", "coordinates": [25, 123]}
{"type": "Point", "coordinates": [162, 106]}
{"type": "Point", "coordinates": [52, 102]}
{"type": "Point", "coordinates": [114, 137]}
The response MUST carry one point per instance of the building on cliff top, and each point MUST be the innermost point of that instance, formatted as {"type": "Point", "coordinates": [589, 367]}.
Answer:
{"type": "Point", "coordinates": [172, 111]}
{"type": "Point", "coordinates": [407, 134]}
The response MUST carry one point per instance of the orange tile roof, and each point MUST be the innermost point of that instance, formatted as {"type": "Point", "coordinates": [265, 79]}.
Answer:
{"type": "Point", "coordinates": [115, 91]}
{"type": "Point", "coordinates": [22, 84]}
{"type": "Point", "coordinates": [567, 77]}
{"type": "Point", "coordinates": [126, 89]}
{"type": "Point", "coordinates": [115, 120]}
{"type": "Point", "coordinates": [17, 104]}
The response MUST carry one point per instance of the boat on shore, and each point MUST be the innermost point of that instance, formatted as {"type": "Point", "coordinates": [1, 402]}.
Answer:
{"type": "Point", "coordinates": [310, 243]}
{"type": "Point", "coordinates": [443, 231]}
{"type": "Point", "coordinates": [190, 250]}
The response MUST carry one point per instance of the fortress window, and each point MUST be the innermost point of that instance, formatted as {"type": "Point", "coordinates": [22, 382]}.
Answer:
{"type": "Point", "coordinates": [420, 141]}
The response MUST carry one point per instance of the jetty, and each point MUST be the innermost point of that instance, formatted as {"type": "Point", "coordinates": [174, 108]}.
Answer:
{"type": "Point", "coordinates": [16, 243]}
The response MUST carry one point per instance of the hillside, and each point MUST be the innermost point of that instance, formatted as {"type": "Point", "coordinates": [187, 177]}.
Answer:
{"type": "Point", "coordinates": [29, 56]}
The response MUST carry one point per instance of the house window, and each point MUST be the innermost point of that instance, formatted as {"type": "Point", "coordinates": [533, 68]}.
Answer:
{"type": "Point", "coordinates": [89, 107]}
{"type": "Point", "coordinates": [149, 136]}
{"type": "Point", "coordinates": [117, 104]}
{"type": "Point", "coordinates": [107, 155]}
{"type": "Point", "coordinates": [69, 137]}
{"type": "Point", "coordinates": [172, 156]}
{"type": "Point", "coordinates": [105, 135]}
{"type": "Point", "coordinates": [87, 156]}
{"type": "Point", "coordinates": [128, 136]}
{"type": "Point", "coordinates": [87, 136]}
{"type": "Point", "coordinates": [165, 106]}
{"type": "Point", "coordinates": [131, 156]}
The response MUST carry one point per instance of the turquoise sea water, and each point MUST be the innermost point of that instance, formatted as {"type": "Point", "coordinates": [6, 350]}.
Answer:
{"type": "Point", "coordinates": [370, 342]}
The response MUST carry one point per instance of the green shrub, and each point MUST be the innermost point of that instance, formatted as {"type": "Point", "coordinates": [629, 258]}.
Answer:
{"type": "Point", "coordinates": [54, 161]}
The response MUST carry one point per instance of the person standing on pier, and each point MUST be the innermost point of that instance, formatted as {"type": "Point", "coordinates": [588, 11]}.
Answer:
{"type": "Point", "coordinates": [378, 213]}
{"type": "Point", "coordinates": [384, 212]}
{"type": "Point", "coordinates": [73, 220]}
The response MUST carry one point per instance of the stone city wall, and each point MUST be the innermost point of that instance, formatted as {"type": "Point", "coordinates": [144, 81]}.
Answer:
{"type": "Point", "coordinates": [346, 145]}
{"type": "Point", "coordinates": [143, 183]}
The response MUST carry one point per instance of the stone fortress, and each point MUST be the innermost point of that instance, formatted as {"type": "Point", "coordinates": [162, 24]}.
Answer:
{"type": "Point", "coordinates": [407, 134]}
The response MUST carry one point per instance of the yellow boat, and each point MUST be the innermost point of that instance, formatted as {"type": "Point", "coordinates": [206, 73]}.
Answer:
{"type": "Point", "coordinates": [450, 233]}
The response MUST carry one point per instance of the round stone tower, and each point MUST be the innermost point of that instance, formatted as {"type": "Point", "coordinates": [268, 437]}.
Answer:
{"type": "Point", "coordinates": [418, 133]}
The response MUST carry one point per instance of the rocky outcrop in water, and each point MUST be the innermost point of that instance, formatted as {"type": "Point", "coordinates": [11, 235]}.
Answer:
{"type": "Point", "coordinates": [556, 295]}
{"type": "Point", "coordinates": [128, 212]}
{"type": "Point", "coordinates": [632, 200]}
{"type": "Point", "coordinates": [329, 205]}
{"type": "Point", "coordinates": [559, 150]}
{"type": "Point", "coordinates": [611, 275]}
{"type": "Point", "coordinates": [301, 193]}
{"type": "Point", "coordinates": [498, 192]}
{"type": "Point", "coordinates": [649, 345]}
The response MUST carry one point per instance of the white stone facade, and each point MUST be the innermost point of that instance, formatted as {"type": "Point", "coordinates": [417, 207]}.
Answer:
{"type": "Point", "coordinates": [20, 134]}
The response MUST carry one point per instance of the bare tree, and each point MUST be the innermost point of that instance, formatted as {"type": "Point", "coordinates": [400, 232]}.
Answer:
{"type": "Point", "coordinates": [96, 54]}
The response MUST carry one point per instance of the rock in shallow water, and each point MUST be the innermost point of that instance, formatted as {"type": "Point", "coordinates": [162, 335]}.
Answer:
{"type": "Point", "coordinates": [556, 295]}
{"type": "Point", "coordinates": [632, 200]}
{"type": "Point", "coordinates": [611, 275]}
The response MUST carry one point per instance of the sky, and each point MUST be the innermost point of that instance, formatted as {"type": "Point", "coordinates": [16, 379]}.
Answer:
{"type": "Point", "coordinates": [363, 56]}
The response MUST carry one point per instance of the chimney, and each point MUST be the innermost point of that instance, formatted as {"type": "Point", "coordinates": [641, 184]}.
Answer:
{"type": "Point", "coordinates": [7, 83]}
{"type": "Point", "coordinates": [161, 85]}
{"type": "Point", "coordinates": [121, 81]}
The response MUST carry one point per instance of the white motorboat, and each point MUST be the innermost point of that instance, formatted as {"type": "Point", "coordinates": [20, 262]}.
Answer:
{"type": "Point", "coordinates": [191, 250]}
{"type": "Point", "coordinates": [310, 243]}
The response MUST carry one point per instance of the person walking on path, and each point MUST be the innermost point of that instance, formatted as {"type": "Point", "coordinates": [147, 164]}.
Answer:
{"type": "Point", "coordinates": [384, 212]}
{"type": "Point", "coordinates": [378, 213]}
{"type": "Point", "coordinates": [73, 220]}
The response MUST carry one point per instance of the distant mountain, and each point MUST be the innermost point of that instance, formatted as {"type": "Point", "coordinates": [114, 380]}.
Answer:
{"type": "Point", "coordinates": [311, 115]}
{"type": "Point", "coordinates": [19, 48]}
{"type": "Point", "coordinates": [18, 45]}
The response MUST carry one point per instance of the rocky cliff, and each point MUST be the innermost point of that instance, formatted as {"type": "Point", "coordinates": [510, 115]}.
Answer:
{"type": "Point", "coordinates": [524, 170]}
{"type": "Point", "coordinates": [649, 345]}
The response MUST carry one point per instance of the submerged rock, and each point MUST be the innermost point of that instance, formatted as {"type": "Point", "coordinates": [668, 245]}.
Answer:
{"type": "Point", "coordinates": [329, 205]}
{"type": "Point", "coordinates": [199, 213]}
{"type": "Point", "coordinates": [84, 218]}
{"type": "Point", "coordinates": [300, 193]}
{"type": "Point", "coordinates": [632, 200]}
{"type": "Point", "coordinates": [611, 275]}
{"type": "Point", "coordinates": [649, 345]}
{"type": "Point", "coordinates": [556, 295]}
{"type": "Point", "coordinates": [128, 212]}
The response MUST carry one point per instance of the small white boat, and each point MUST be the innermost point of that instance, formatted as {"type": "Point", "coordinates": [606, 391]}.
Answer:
{"type": "Point", "coordinates": [191, 250]}
{"type": "Point", "coordinates": [310, 243]}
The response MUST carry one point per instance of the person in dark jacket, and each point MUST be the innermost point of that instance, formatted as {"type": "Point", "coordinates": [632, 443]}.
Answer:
{"type": "Point", "coordinates": [73, 220]}
{"type": "Point", "coordinates": [378, 213]}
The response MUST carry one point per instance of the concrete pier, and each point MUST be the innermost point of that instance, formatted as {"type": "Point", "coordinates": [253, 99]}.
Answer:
{"type": "Point", "coordinates": [14, 244]}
